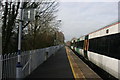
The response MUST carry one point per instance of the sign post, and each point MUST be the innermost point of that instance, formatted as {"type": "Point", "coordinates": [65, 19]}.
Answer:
{"type": "Point", "coordinates": [19, 66]}
{"type": "Point", "coordinates": [25, 15]}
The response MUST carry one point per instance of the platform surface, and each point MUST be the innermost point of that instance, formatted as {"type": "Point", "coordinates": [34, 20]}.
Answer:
{"type": "Point", "coordinates": [79, 68]}
{"type": "Point", "coordinates": [64, 64]}
{"type": "Point", "coordinates": [57, 66]}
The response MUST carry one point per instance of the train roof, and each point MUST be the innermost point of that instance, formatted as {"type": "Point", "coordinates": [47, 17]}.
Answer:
{"type": "Point", "coordinates": [100, 29]}
{"type": "Point", "coordinates": [110, 25]}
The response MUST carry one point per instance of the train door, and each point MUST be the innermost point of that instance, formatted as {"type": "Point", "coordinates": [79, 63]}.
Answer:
{"type": "Point", "coordinates": [74, 45]}
{"type": "Point", "coordinates": [86, 44]}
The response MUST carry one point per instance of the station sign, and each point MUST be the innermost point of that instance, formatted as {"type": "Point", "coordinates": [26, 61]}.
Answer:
{"type": "Point", "coordinates": [29, 14]}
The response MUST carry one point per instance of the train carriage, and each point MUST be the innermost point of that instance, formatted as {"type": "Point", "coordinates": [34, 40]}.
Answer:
{"type": "Point", "coordinates": [102, 48]}
{"type": "Point", "coordinates": [80, 45]}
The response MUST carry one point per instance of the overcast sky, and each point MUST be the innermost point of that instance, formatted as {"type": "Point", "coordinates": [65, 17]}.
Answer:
{"type": "Point", "coordinates": [80, 18]}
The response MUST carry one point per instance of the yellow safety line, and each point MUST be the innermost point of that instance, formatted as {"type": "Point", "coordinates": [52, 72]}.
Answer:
{"type": "Point", "coordinates": [71, 64]}
{"type": "Point", "coordinates": [75, 75]}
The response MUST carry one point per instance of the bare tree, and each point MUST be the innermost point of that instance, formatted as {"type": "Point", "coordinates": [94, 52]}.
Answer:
{"type": "Point", "coordinates": [38, 33]}
{"type": "Point", "coordinates": [9, 17]}
{"type": "Point", "coordinates": [45, 20]}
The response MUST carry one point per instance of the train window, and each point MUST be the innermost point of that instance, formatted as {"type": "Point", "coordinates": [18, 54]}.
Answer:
{"type": "Point", "coordinates": [80, 44]}
{"type": "Point", "coordinates": [107, 31]}
{"type": "Point", "coordinates": [107, 45]}
{"type": "Point", "coordinates": [77, 45]}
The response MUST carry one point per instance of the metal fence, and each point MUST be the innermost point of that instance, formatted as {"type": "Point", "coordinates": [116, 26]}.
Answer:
{"type": "Point", "coordinates": [30, 60]}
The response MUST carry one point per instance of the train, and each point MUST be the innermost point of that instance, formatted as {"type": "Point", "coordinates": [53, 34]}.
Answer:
{"type": "Point", "coordinates": [101, 47]}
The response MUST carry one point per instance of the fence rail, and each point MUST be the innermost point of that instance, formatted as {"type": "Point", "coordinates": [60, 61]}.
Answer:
{"type": "Point", "coordinates": [30, 60]}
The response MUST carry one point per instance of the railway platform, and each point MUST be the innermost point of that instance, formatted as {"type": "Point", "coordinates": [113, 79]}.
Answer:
{"type": "Point", "coordinates": [63, 65]}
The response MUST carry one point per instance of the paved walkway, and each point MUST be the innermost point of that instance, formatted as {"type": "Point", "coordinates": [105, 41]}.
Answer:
{"type": "Point", "coordinates": [57, 66]}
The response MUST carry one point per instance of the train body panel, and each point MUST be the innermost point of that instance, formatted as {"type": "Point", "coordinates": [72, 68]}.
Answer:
{"type": "Point", "coordinates": [108, 64]}
{"type": "Point", "coordinates": [81, 52]}
{"type": "Point", "coordinates": [104, 32]}
{"type": "Point", "coordinates": [75, 48]}
{"type": "Point", "coordinates": [119, 27]}
{"type": "Point", "coordinates": [71, 47]}
{"type": "Point", "coordinates": [82, 38]}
